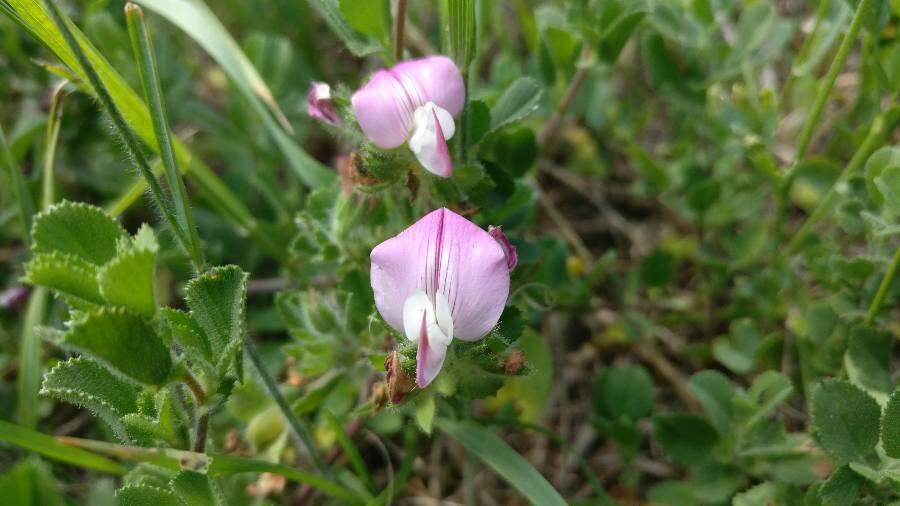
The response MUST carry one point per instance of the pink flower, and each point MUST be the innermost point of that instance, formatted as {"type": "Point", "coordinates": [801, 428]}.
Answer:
{"type": "Point", "coordinates": [319, 104]}
{"type": "Point", "coordinates": [415, 102]}
{"type": "Point", "coordinates": [443, 277]}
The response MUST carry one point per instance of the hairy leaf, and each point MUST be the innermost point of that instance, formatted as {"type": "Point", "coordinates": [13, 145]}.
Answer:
{"type": "Point", "coordinates": [186, 333]}
{"type": "Point", "coordinates": [845, 419]}
{"type": "Point", "coordinates": [195, 488]}
{"type": "Point", "coordinates": [64, 273]}
{"type": "Point", "coordinates": [77, 229]}
{"type": "Point", "coordinates": [146, 495]}
{"type": "Point", "coordinates": [127, 281]}
{"type": "Point", "coordinates": [216, 299]}
{"type": "Point", "coordinates": [890, 426]}
{"type": "Point", "coordinates": [123, 340]}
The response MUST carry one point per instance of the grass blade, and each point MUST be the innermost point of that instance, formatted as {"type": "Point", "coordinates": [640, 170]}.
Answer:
{"type": "Point", "coordinates": [146, 58]}
{"type": "Point", "coordinates": [49, 446]}
{"type": "Point", "coordinates": [359, 465]}
{"type": "Point", "coordinates": [195, 19]}
{"type": "Point", "coordinates": [16, 181]}
{"type": "Point", "coordinates": [498, 455]}
{"type": "Point", "coordinates": [34, 18]}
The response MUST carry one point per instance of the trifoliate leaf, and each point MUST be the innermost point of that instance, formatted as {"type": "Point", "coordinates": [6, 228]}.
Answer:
{"type": "Point", "coordinates": [145, 495]}
{"type": "Point", "coordinates": [687, 438]}
{"type": "Point", "coordinates": [127, 281]}
{"type": "Point", "coordinates": [846, 420]}
{"type": "Point", "coordinates": [67, 274]}
{"type": "Point", "coordinates": [77, 229]}
{"type": "Point", "coordinates": [124, 341]}
{"type": "Point", "coordinates": [216, 299]}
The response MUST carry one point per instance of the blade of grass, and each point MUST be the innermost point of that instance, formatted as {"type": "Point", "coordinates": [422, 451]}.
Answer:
{"type": "Point", "coordinates": [146, 57]}
{"type": "Point", "coordinates": [49, 447]}
{"type": "Point", "coordinates": [16, 181]}
{"type": "Point", "coordinates": [282, 404]}
{"type": "Point", "coordinates": [34, 18]}
{"type": "Point", "coordinates": [195, 19]}
{"type": "Point", "coordinates": [498, 455]}
{"type": "Point", "coordinates": [350, 451]}
{"type": "Point", "coordinates": [137, 158]}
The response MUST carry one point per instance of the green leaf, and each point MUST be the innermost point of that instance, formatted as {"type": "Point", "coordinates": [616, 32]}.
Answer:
{"type": "Point", "coordinates": [123, 340]}
{"type": "Point", "coordinates": [520, 99]}
{"type": "Point", "coordinates": [714, 392]}
{"type": "Point", "coordinates": [50, 447]}
{"type": "Point", "coordinates": [128, 280]}
{"type": "Point", "coordinates": [143, 430]}
{"type": "Point", "coordinates": [30, 483]}
{"type": "Point", "coordinates": [216, 299]}
{"type": "Point", "coordinates": [738, 350]}
{"type": "Point", "coordinates": [184, 331]}
{"type": "Point", "coordinates": [371, 17]}
{"type": "Point", "coordinates": [687, 438]}
{"type": "Point", "coordinates": [624, 390]}
{"type": "Point", "coordinates": [358, 44]}
{"type": "Point", "coordinates": [768, 390]}
{"type": "Point", "coordinates": [195, 488]}
{"type": "Point", "coordinates": [563, 46]}
{"type": "Point", "coordinates": [64, 273]}
{"type": "Point", "coordinates": [498, 455]}
{"type": "Point", "coordinates": [842, 487]}
{"type": "Point", "coordinates": [77, 229]}
{"type": "Point", "coordinates": [846, 420]}
{"type": "Point", "coordinates": [888, 183]}
{"type": "Point", "coordinates": [890, 426]}
{"type": "Point", "coordinates": [87, 384]}
{"type": "Point", "coordinates": [888, 156]}
{"type": "Point", "coordinates": [425, 409]}
{"type": "Point", "coordinates": [514, 149]}
{"type": "Point", "coordinates": [764, 493]}
{"type": "Point", "coordinates": [658, 268]}
{"type": "Point", "coordinates": [146, 495]}
{"type": "Point", "coordinates": [478, 121]}
{"type": "Point", "coordinates": [616, 35]}
{"type": "Point", "coordinates": [868, 360]}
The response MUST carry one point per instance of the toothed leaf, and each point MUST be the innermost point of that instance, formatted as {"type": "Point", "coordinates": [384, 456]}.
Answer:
{"type": "Point", "coordinates": [195, 488]}
{"type": "Point", "coordinates": [145, 495]}
{"type": "Point", "coordinates": [77, 229]}
{"type": "Point", "coordinates": [67, 274]}
{"type": "Point", "coordinates": [127, 280]}
{"type": "Point", "coordinates": [187, 334]}
{"type": "Point", "coordinates": [85, 383]}
{"type": "Point", "coordinates": [124, 341]}
{"type": "Point", "coordinates": [846, 420]}
{"type": "Point", "coordinates": [216, 299]}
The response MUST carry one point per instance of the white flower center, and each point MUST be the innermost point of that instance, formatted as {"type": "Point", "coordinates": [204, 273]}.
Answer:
{"type": "Point", "coordinates": [438, 321]}
{"type": "Point", "coordinates": [432, 126]}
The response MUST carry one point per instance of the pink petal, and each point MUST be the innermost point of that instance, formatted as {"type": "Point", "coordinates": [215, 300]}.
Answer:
{"type": "Point", "coordinates": [443, 252]}
{"type": "Point", "coordinates": [319, 104]}
{"type": "Point", "coordinates": [383, 110]}
{"type": "Point", "coordinates": [508, 249]}
{"type": "Point", "coordinates": [437, 79]}
{"type": "Point", "coordinates": [384, 106]}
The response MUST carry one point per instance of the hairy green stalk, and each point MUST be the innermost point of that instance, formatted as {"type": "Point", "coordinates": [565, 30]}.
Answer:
{"type": "Point", "coordinates": [134, 149]}
{"type": "Point", "coordinates": [145, 55]}
{"type": "Point", "coordinates": [878, 300]}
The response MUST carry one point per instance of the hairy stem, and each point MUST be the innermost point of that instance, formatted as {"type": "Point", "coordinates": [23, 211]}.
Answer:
{"type": "Point", "coordinates": [878, 300]}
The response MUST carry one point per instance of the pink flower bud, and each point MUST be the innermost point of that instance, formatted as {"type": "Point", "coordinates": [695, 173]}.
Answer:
{"type": "Point", "coordinates": [443, 277]}
{"type": "Point", "coordinates": [319, 104]}
{"type": "Point", "coordinates": [413, 101]}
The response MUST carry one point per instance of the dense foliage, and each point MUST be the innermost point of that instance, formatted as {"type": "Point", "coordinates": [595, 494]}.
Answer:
{"type": "Point", "coordinates": [691, 207]}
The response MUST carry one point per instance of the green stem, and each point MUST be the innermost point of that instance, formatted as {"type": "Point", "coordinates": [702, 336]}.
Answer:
{"type": "Point", "coordinates": [30, 368]}
{"type": "Point", "coordinates": [146, 57]}
{"type": "Point", "coordinates": [882, 125]}
{"type": "Point", "coordinates": [399, 26]}
{"type": "Point", "coordinates": [878, 300]}
{"type": "Point", "coordinates": [292, 420]}
{"type": "Point", "coordinates": [137, 155]}
{"type": "Point", "coordinates": [812, 120]}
